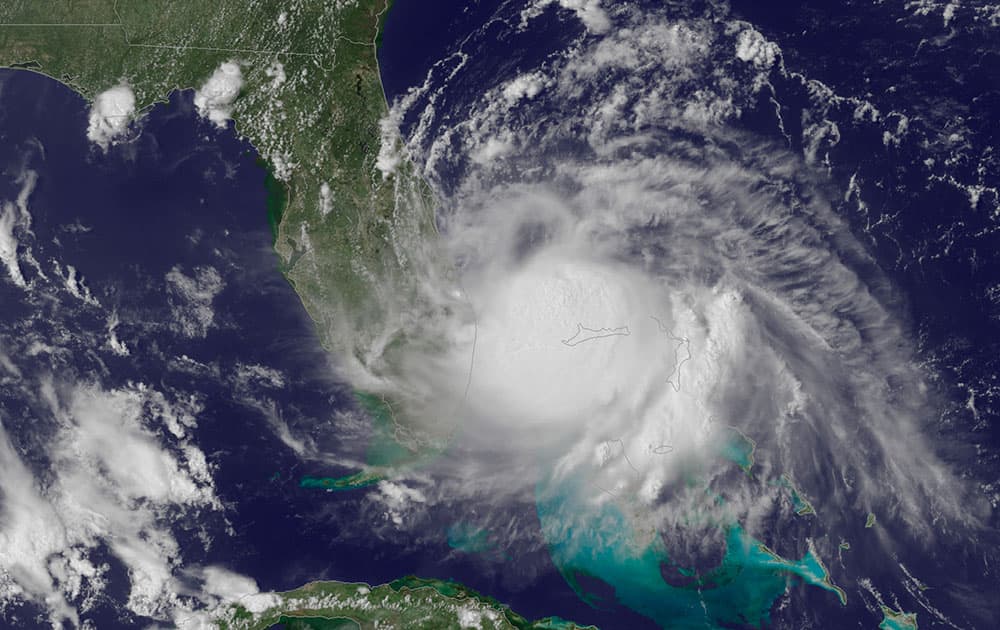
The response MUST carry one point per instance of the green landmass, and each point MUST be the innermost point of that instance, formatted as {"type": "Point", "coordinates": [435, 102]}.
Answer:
{"type": "Point", "coordinates": [388, 447]}
{"type": "Point", "coordinates": [386, 454]}
{"type": "Point", "coordinates": [897, 620]}
{"type": "Point", "coordinates": [870, 520]}
{"type": "Point", "coordinates": [346, 241]}
{"type": "Point", "coordinates": [318, 623]}
{"type": "Point", "coordinates": [356, 481]}
{"type": "Point", "coordinates": [277, 200]}
{"type": "Point", "coordinates": [406, 603]}
{"type": "Point", "coordinates": [347, 237]}
{"type": "Point", "coordinates": [350, 236]}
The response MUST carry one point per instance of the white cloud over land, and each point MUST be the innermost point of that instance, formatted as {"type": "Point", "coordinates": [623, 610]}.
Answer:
{"type": "Point", "coordinates": [214, 99]}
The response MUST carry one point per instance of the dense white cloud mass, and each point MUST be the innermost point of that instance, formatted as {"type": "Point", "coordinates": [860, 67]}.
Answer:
{"type": "Point", "coordinates": [215, 98]}
{"type": "Point", "coordinates": [9, 220]}
{"type": "Point", "coordinates": [752, 47]}
{"type": "Point", "coordinates": [590, 13]}
{"type": "Point", "coordinates": [15, 223]}
{"type": "Point", "coordinates": [389, 147]}
{"type": "Point", "coordinates": [397, 499]}
{"type": "Point", "coordinates": [524, 86]}
{"type": "Point", "coordinates": [640, 285]}
{"type": "Point", "coordinates": [110, 115]}
{"type": "Point", "coordinates": [228, 586]}
{"type": "Point", "coordinates": [635, 290]}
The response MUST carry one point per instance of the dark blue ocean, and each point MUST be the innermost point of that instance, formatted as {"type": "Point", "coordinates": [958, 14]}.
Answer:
{"type": "Point", "coordinates": [917, 184]}
{"type": "Point", "coordinates": [182, 194]}
{"type": "Point", "coordinates": [942, 252]}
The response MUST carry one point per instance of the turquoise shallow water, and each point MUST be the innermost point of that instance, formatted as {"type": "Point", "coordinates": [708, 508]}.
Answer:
{"type": "Point", "coordinates": [603, 542]}
{"type": "Point", "coordinates": [469, 538]}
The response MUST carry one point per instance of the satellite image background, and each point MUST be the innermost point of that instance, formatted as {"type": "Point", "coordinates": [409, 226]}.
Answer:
{"type": "Point", "coordinates": [647, 314]}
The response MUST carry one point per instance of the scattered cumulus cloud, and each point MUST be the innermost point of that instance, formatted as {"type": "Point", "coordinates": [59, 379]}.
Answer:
{"type": "Point", "coordinates": [494, 148]}
{"type": "Point", "coordinates": [398, 498]}
{"type": "Point", "coordinates": [111, 480]}
{"type": "Point", "coordinates": [254, 376]}
{"type": "Point", "coordinates": [192, 297]}
{"type": "Point", "coordinates": [524, 86]}
{"type": "Point", "coordinates": [589, 12]}
{"type": "Point", "coordinates": [276, 72]}
{"type": "Point", "coordinates": [95, 474]}
{"type": "Point", "coordinates": [282, 166]}
{"type": "Point", "coordinates": [116, 345]}
{"type": "Point", "coordinates": [74, 283]}
{"type": "Point", "coordinates": [470, 618]}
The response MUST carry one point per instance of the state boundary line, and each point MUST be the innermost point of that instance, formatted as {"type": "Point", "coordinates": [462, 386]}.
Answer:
{"type": "Point", "coordinates": [121, 25]}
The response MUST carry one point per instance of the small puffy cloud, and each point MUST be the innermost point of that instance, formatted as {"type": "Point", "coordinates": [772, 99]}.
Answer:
{"type": "Point", "coordinates": [110, 115]}
{"type": "Point", "coordinates": [227, 585]}
{"type": "Point", "coordinates": [524, 86]}
{"type": "Point", "coordinates": [116, 345]}
{"type": "Point", "coordinates": [276, 72]}
{"type": "Point", "coordinates": [590, 13]}
{"type": "Point", "coordinates": [469, 617]}
{"type": "Point", "coordinates": [587, 11]}
{"type": "Point", "coordinates": [493, 148]}
{"type": "Point", "coordinates": [752, 47]}
{"type": "Point", "coordinates": [282, 166]}
{"type": "Point", "coordinates": [222, 586]}
{"type": "Point", "coordinates": [397, 499]}
{"type": "Point", "coordinates": [75, 284]}
{"type": "Point", "coordinates": [325, 199]}
{"type": "Point", "coordinates": [389, 149]}
{"type": "Point", "coordinates": [215, 98]}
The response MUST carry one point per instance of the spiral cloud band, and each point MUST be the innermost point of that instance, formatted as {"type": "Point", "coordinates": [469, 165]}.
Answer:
{"type": "Point", "coordinates": [646, 295]}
